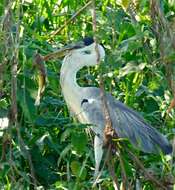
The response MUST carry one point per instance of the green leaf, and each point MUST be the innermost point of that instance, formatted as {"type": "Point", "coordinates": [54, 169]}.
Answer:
{"type": "Point", "coordinates": [77, 170]}
{"type": "Point", "coordinates": [3, 103]}
{"type": "Point", "coordinates": [53, 101]}
{"type": "Point", "coordinates": [27, 104]}
{"type": "Point", "coordinates": [131, 67]}
{"type": "Point", "coordinates": [79, 141]}
{"type": "Point", "coordinates": [50, 121]}
{"type": "Point", "coordinates": [61, 185]}
{"type": "Point", "coordinates": [63, 153]}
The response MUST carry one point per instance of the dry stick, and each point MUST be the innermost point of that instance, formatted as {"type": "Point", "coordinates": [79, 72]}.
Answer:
{"type": "Point", "coordinates": [5, 19]}
{"type": "Point", "coordinates": [14, 99]}
{"type": "Point", "coordinates": [5, 27]}
{"type": "Point", "coordinates": [108, 131]}
{"type": "Point", "coordinates": [71, 19]}
{"type": "Point", "coordinates": [141, 166]}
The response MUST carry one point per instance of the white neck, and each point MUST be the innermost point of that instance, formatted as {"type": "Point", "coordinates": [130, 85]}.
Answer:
{"type": "Point", "coordinates": [70, 89]}
{"type": "Point", "coordinates": [68, 74]}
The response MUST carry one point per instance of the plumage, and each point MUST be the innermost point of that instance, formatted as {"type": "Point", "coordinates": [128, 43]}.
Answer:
{"type": "Point", "coordinates": [126, 122]}
{"type": "Point", "coordinates": [85, 103]}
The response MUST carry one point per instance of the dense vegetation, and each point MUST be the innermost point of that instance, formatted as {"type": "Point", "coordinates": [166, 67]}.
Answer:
{"type": "Point", "coordinates": [43, 147]}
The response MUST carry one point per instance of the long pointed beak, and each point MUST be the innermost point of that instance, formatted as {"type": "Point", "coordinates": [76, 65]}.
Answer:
{"type": "Point", "coordinates": [64, 51]}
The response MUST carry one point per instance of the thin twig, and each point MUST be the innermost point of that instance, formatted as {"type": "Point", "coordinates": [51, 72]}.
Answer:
{"type": "Point", "coordinates": [71, 19]}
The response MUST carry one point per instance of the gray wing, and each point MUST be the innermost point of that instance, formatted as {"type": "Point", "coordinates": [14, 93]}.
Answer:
{"type": "Point", "coordinates": [126, 122]}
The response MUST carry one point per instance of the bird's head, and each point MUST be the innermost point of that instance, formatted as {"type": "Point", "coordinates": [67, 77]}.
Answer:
{"type": "Point", "coordinates": [84, 52]}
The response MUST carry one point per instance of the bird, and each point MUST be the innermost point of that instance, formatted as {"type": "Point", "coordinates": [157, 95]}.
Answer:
{"type": "Point", "coordinates": [86, 105]}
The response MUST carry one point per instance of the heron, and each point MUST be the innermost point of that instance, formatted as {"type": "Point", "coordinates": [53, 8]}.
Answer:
{"type": "Point", "coordinates": [86, 105]}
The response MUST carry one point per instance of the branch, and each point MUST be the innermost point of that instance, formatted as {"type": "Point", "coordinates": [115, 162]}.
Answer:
{"type": "Point", "coordinates": [147, 174]}
{"type": "Point", "coordinates": [71, 19]}
{"type": "Point", "coordinates": [14, 111]}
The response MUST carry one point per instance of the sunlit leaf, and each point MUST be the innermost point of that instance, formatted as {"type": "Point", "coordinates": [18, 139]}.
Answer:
{"type": "Point", "coordinates": [131, 68]}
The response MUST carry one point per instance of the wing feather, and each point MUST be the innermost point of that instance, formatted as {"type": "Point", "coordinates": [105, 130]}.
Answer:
{"type": "Point", "coordinates": [127, 124]}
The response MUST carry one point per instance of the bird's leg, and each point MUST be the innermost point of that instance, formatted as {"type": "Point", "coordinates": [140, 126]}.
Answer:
{"type": "Point", "coordinates": [98, 151]}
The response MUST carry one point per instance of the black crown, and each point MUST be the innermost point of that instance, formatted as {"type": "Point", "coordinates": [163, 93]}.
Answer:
{"type": "Point", "coordinates": [88, 41]}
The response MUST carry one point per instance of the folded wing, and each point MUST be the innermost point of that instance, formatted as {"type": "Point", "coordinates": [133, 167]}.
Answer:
{"type": "Point", "coordinates": [127, 124]}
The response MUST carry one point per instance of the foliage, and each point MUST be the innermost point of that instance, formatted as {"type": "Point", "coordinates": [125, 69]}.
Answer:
{"type": "Point", "coordinates": [44, 147]}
